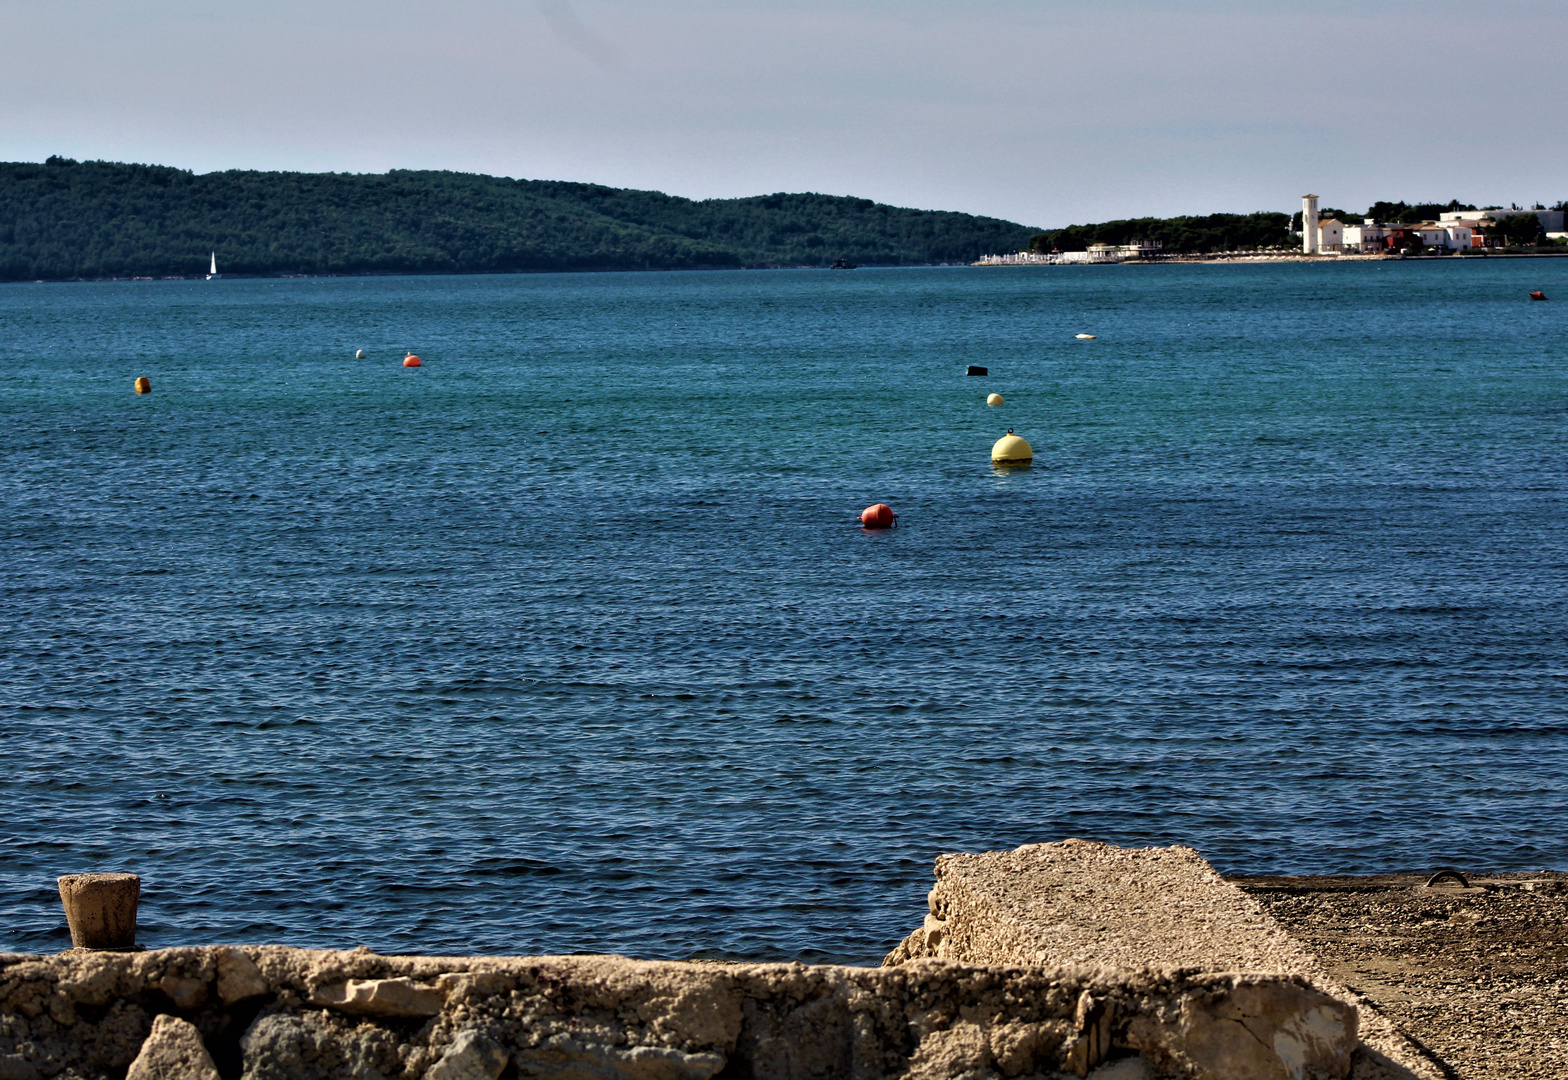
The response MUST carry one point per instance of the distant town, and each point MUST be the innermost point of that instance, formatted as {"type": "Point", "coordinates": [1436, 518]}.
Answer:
{"type": "Point", "coordinates": [1388, 230]}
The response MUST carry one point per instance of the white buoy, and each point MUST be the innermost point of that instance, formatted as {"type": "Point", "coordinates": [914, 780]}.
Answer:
{"type": "Point", "coordinates": [359, 354]}
{"type": "Point", "coordinates": [994, 399]}
{"type": "Point", "coordinates": [1085, 337]}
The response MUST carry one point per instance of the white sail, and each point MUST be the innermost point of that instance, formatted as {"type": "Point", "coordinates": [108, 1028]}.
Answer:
{"type": "Point", "coordinates": [214, 270]}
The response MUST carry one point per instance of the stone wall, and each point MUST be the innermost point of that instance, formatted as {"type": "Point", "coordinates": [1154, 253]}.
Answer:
{"type": "Point", "coordinates": [1071, 959]}
{"type": "Point", "coordinates": [269, 1013]}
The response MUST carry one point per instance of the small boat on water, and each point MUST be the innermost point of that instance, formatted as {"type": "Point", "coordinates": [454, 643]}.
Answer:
{"type": "Point", "coordinates": [212, 270]}
{"type": "Point", "coordinates": [843, 264]}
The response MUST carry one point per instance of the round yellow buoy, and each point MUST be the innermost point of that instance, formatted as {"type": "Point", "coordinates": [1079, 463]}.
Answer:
{"type": "Point", "coordinates": [1085, 337]}
{"type": "Point", "coordinates": [1011, 449]}
{"type": "Point", "coordinates": [359, 354]}
{"type": "Point", "coordinates": [143, 385]}
{"type": "Point", "coordinates": [994, 399]}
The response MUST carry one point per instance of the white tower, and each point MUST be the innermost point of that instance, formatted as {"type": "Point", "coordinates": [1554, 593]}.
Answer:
{"type": "Point", "coordinates": [1309, 224]}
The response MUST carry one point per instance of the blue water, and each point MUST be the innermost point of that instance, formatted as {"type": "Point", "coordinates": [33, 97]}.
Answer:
{"type": "Point", "coordinates": [567, 641]}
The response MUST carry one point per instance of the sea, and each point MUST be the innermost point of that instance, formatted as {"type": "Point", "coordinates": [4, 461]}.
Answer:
{"type": "Point", "coordinates": [569, 639]}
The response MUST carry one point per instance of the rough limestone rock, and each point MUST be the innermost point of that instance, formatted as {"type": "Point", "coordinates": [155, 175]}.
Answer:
{"type": "Point", "coordinates": [1052, 961]}
{"type": "Point", "coordinates": [1083, 902]}
{"type": "Point", "coordinates": [318, 1046]}
{"type": "Point", "coordinates": [1078, 901]}
{"type": "Point", "coordinates": [90, 1015]}
{"type": "Point", "coordinates": [472, 1056]}
{"type": "Point", "coordinates": [173, 1051]}
{"type": "Point", "coordinates": [381, 997]}
{"type": "Point", "coordinates": [238, 977]}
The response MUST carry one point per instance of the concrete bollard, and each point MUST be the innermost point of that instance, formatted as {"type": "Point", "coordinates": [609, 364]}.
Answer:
{"type": "Point", "coordinates": [101, 909]}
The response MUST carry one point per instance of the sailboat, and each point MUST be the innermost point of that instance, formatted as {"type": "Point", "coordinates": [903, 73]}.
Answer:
{"type": "Point", "coordinates": [212, 272]}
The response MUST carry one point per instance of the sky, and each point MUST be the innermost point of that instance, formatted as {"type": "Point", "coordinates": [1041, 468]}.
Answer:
{"type": "Point", "coordinates": [1048, 112]}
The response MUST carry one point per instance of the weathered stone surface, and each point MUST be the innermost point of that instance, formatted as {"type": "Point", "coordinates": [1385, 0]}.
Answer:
{"type": "Point", "coordinates": [238, 977]}
{"type": "Point", "coordinates": [1083, 902]}
{"type": "Point", "coordinates": [100, 909]}
{"type": "Point", "coordinates": [1125, 1069]}
{"type": "Point", "coordinates": [381, 997]}
{"type": "Point", "coordinates": [1271, 1030]}
{"type": "Point", "coordinates": [317, 1046]}
{"type": "Point", "coordinates": [173, 1051]}
{"type": "Point", "coordinates": [1089, 903]}
{"type": "Point", "coordinates": [16, 1067]}
{"type": "Point", "coordinates": [629, 1020]}
{"type": "Point", "coordinates": [1059, 960]}
{"type": "Point", "coordinates": [472, 1056]}
{"type": "Point", "coordinates": [565, 1058]}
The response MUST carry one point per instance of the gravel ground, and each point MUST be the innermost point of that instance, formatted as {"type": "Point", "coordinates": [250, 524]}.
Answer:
{"type": "Point", "coordinates": [1478, 976]}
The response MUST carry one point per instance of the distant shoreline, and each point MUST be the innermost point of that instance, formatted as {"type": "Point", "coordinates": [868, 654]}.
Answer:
{"type": "Point", "coordinates": [1165, 260]}
{"type": "Point", "coordinates": [469, 273]}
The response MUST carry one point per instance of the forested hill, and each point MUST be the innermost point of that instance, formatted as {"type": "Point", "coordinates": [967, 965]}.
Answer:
{"type": "Point", "coordinates": [95, 219]}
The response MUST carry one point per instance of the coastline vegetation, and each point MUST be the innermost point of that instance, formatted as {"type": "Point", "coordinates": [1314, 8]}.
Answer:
{"type": "Point", "coordinates": [1190, 235]}
{"type": "Point", "coordinates": [65, 220]}
{"type": "Point", "coordinates": [1198, 235]}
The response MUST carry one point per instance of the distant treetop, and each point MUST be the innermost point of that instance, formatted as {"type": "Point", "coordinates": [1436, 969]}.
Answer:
{"type": "Point", "coordinates": [1400, 213]}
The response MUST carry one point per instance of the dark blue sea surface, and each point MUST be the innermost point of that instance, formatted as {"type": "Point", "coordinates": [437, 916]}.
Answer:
{"type": "Point", "coordinates": [568, 641]}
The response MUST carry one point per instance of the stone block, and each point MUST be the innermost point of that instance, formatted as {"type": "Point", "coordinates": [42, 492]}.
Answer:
{"type": "Point", "coordinates": [381, 997]}
{"type": "Point", "coordinates": [239, 979]}
{"type": "Point", "coordinates": [100, 909]}
{"type": "Point", "coordinates": [472, 1056]}
{"type": "Point", "coordinates": [173, 1051]}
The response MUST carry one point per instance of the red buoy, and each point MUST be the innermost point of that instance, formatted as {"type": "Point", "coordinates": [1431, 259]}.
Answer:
{"type": "Point", "coordinates": [411, 360]}
{"type": "Point", "coordinates": [1538, 296]}
{"type": "Point", "coordinates": [878, 516]}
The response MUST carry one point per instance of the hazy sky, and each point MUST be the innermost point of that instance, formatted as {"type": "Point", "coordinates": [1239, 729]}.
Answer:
{"type": "Point", "coordinates": [1045, 112]}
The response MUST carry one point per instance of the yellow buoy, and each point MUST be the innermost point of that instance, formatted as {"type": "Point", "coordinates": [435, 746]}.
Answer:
{"type": "Point", "coordinates": [143, 385]}
{"type": "Point", "coordinates": [1085, 337]}
{"type": "Point", "coordinates": [994, 399]}
{"type": "Point", "coordinates": [1011, 449]}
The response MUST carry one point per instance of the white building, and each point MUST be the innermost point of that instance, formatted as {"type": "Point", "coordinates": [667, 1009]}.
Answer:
{"type": "Point", "coordinates": [1309, 225]}
{"type": "Point", "coordinates": [1551, 220]}
{"type": "Point", "coordinates": [1097, 253]}
{"type": "Point", "coordinates": [1460, 237]}
{"type": "Point", "coordinates": [1368, 236]}
{"type": "Point", "coordinates": [1140, 249]}
{"type": "Point", "coordinates": [1331, 235]}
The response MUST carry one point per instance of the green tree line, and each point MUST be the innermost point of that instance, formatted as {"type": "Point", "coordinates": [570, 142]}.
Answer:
{"type": "Point", "coordinates": [1177, 235]}
{"type": "Point", "coordinates": [64, 220]}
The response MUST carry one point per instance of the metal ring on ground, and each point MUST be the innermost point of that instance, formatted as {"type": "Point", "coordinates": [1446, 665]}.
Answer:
{"type": "Point", "coordinates": [1446, 873]}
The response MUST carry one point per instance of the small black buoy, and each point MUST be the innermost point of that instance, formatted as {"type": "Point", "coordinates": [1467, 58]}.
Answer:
{"type": "Point", "coordinates": [976, 369]}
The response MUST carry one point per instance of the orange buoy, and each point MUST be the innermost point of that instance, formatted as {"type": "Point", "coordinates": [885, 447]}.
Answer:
{"type": "Point", "coordinates": [411, 360]}
{"type": "Point", "coordinates": [1538, 296]}
{"type": "Point", "coordinates": [143, 385]}
{"type": "Point", "coordinates": [878, 516]}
